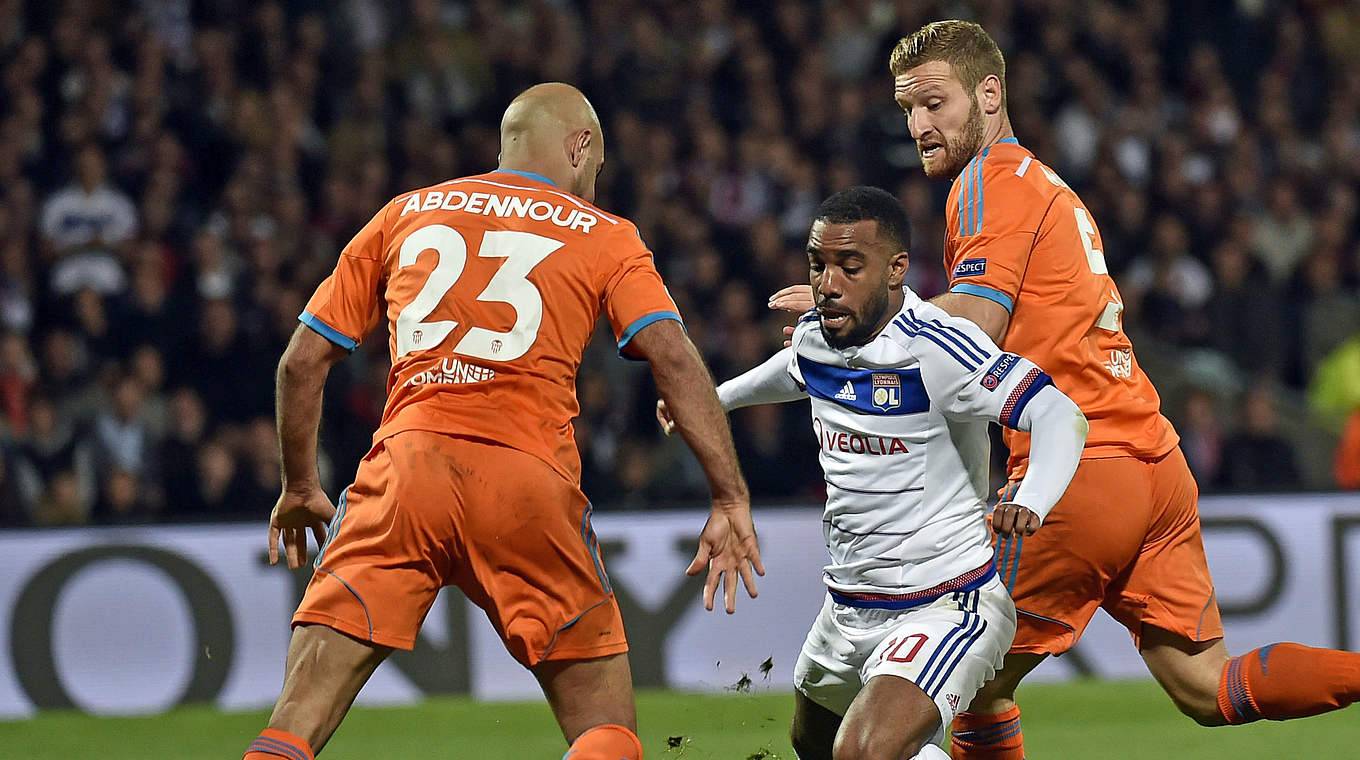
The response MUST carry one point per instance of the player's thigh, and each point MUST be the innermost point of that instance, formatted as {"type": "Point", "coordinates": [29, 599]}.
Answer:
{"type": "Point", "coordinates": [1059, 576]}
{"type": "Point", "coordinates": [891, 718]}
{"type": "Point", "coordinates": [527, 555]}
{"type": "Point", "coordinates": [383, 561]}
{"type": "Point", "coordinates": [813, 732]}
{"type": "Point", "coordinates": [588, 693]}
{"type": "Point", "coordinates": [948, 650]}
{"type": "Point", "coordinates": [1169, 586]}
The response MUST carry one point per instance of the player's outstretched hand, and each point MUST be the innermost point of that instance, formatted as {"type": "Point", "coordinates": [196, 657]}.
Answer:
{"type": "Point", "coordinates": [295, 513]}
{"type": "Point", "coordinates": [796, 298]}
{"type": "Point", "coordinates": [1011, 519]}
{"type": "Point", "coordinates": [663, 416]}
{"type": "Point", "coordinates": [728, 547]}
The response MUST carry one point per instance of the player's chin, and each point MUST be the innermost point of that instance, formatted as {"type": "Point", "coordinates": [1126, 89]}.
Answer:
{"type": "Point", "coordinates": [937, 167]}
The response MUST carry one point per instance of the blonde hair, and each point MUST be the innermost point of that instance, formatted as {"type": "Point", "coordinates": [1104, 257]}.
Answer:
{"type": "Point", "coordinates": [965, 46]}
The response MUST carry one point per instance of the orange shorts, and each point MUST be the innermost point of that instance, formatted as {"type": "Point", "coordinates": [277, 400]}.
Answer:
{"type": "Point", "coordinates": [428, 510]}
{"type": "Point", "coordinates": [1125, 537]}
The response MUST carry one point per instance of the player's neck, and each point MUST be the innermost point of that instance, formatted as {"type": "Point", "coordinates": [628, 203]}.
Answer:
{"type": "Point", "coordinates": [998, 130]}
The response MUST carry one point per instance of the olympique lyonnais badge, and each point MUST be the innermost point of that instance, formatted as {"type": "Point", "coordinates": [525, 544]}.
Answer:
{"type": "Point", "coordinates": [887, 391]}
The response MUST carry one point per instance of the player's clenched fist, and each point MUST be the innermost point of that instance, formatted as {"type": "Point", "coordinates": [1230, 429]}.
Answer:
{"type": "Point", "coordinates": [1011, 519]}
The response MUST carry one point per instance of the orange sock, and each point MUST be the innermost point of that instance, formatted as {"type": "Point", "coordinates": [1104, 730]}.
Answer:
{"type": "Point", "coordinates": [607, 742]}
{"type": "Point", "coordinates": [272, 744]}
{"type": "Point", "coordinates": [987, 737]}
{"type": "Point", "coordinates": [1284, 681]}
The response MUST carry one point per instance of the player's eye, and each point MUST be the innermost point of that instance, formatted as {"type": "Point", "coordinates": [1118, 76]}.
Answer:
{"type": "Point", "coordinates": [934, 106]}
{"type": "Point", "coordinates": [816, 266]}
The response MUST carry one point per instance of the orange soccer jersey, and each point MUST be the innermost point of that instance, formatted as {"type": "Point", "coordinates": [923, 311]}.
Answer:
{"type": "Point", "coordinates": [491, 286]}
{"type": "Point", "coordinates": [1007, 209]}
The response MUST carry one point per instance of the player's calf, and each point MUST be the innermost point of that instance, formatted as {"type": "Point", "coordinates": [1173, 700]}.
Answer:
{"type": "Point", "coordinates": [272, 744]}
{"type": "Point", "coordinates": [984, 736]}
{"type": "Point", "coordinates": [1284, 681]}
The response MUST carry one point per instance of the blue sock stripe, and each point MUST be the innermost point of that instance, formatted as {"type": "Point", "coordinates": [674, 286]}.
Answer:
{"type": "Point", "coordinates": [984, 733]}
{"type": "Point", "coordinates": [994, 737]}
{"type": "Point", "coordinates": [276, 747]}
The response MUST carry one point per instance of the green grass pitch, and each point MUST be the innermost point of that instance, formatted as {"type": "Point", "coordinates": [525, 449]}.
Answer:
{"type": "Point", "coordinates": [1110, 721]}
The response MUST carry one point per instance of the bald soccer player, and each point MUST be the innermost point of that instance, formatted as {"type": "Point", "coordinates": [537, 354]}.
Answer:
{"type": "Point", "coordinates": [491, 286]}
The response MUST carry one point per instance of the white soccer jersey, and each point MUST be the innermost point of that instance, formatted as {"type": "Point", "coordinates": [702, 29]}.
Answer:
{"type": "Point", "coordinates": [902, 426]}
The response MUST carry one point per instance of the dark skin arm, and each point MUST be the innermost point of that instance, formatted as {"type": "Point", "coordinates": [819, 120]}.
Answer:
{"type": "Point", "coordinates": [303, 505]}
{"type": "Point", "coordinates": [728, 544]}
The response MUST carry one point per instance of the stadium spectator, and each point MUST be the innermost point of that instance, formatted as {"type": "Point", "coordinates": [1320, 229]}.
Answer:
{"type": "Point", "coordinates": [1256, 457]}
{"type": "Point", "coordinates": [168, 154]}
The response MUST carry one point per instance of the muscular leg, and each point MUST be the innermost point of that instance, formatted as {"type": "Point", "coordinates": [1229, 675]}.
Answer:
{"type": "Point", "coordinates": [890, 719]}
{"type": "Point", "coordinates": [998, 695]}
{"type": "Point", "coordinates": [1188, 672]}
{"type": "Point", "coordinates": [814, 729]}
{"type": "Point", "coordinates": [325, 671]}
{"type": "Point", "coordinates": [1277, 682]}
{"type": "Point", "coordinates": [585, 694]}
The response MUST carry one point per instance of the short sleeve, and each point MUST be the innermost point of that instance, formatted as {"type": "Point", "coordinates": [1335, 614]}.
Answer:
{"type": "Point", "coordinates": [965, 374]}
{"type": "Point", "coordinates": [346, 305]}
{"type": "Point", "coordinates": [634, 295]}
{"type": "Point", "coordinates": [994, 217]}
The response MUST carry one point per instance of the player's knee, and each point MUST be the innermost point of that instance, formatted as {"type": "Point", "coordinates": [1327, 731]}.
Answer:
{"type": "Point", "coordinates": [1198, 705]}
{"type": "Point", "coordinates": [871, 745]}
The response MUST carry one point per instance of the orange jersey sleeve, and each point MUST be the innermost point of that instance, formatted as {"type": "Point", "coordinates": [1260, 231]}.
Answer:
{"type": "Point", "coordinates": [491, 286]}
{"type": "Point", "coordinates": [346, 306]}
{"type": "Point", "coordinates": [1018, 235]}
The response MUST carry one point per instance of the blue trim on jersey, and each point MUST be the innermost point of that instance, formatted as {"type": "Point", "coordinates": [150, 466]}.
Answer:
{"type": "Point", "coordinates": [593, 546]}
{"type": "Point", "coordinates": [920, 330]}
{"type": "Point", "coordinates": [977, 227]}
{"type": "Point", "coordinates": [982, 291]}
{"type": "Point", "coordinates": [953, 335]}
{"type": "Point", "coordinates": [963, 192]}
{"type": "Point", "coordinates": [641, 322]}
{"type": "Point", "coordinates": [340, 510]}
{"type": "Point", "coordinates": [825, 381]}
{"type": "Point", "coordinates": [531, 175]}
{"type": "Point", "coordinates": [1036, 615]}
{"type": "Point", "coordinates": [1036, 385]}
{"type": "Point", "coordinates": [326, 331]}
{"type": "Point", "coordinates": [1010, 140]}
{"type": "Point", "coordinates": [808, 316]}
{"type": "Point", "coordinates": [362, 603]}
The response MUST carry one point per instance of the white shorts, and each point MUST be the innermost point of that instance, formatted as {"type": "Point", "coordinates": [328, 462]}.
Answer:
{"type": "Point", "coordinates": [949, 648]}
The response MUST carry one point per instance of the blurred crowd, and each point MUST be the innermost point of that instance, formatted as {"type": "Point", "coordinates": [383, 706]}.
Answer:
{"type": "Point", "coordinates": [178, 176]}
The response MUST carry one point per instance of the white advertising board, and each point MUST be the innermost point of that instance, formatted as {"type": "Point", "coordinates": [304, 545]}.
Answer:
{"type": "Point", "coordinates": [139, 619]}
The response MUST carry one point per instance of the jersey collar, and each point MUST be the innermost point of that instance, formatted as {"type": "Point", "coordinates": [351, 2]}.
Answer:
{"type": "Point", "coordinates": [530, 175]}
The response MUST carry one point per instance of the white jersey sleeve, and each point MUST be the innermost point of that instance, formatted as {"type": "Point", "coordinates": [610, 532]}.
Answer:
{"type": "Point", "coordinates": [770, 382]}
{"type": "Point", "coordinates": [966, 376]}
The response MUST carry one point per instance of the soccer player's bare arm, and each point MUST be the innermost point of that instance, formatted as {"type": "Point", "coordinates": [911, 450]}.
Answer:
{"type": "Point", "coordinates": [727, 545]}
{"type": "Point", "coordinates": [991, 316]}
{"type": "Point", "coordinates": [303, 505]}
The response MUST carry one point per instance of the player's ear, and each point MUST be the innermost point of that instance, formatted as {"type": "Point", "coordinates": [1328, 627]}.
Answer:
{"type": "Point", "coordinates": [991, 91]}
{"type": "Point", "coordinates": [578, 147]}
{"type": "Point", "coordinates": [898, 264]}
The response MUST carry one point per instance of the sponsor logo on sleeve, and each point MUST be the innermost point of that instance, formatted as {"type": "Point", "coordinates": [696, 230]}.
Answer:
{"type": "Point", "coordinates": [970, 268]}
{"type": "Point", "coordinates": [999, 369]}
